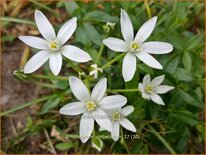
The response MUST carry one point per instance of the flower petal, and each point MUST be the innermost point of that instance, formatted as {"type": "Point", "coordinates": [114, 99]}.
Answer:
{"type": "Point", "coordinates": [149, 60]}
{"type": "Point", "coordinates": [115, 131]}
{"type": "Point", "coordinates": [126, 27]}
{"type": "Point", "coordinates": [127, 110]}
{"type": "Point", "coordinates": [79, 90]}
{"type": "Point", "coordinates": [157, 47]}
{"type": "Point", "coordinates": [146, 80]}
{"type": "Point", "coordinates": [158, 80]}
{"type": "Point", "coordinates": [55, 62]}
{"type": "Point", "coordinates": [44, 26]}
{"type": "Point", "coordinates": [86, 126]}
{"type": "Point", "coordinates": [116, 44]}
{"type": "Point", "coordinates": [75, 53]}
{"type": "Point", "coordinates": [114, 101]}
{"type": "Point", "coordinates": [145, 30]}
{"type": "Point", "coordinates": [127, 125]}
{"type": "Point", "coordinates": [99, 90]}
{"type": "Point", "coordinates": [34, 42]}
{"type": "Point", "coordinates": [37, 61]}
{"type": "Point", "coordinates": [67, 30]}
{"type": "Point", "coordinates": [102, 119]}
{"type": "Point", "coordinates": [129, 66]}
{"type": "Point", "coordinates": [157, 99]}
{"type": "Point", "coordinates": [74, 108]}
{"type": "Point", "coordinates": [163, 89]}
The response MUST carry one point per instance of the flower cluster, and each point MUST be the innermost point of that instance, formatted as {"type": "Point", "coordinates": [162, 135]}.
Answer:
{"type": "Point", "coordinates": [109, 112]}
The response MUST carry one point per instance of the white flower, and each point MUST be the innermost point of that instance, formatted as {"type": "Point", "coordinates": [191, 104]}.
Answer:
{"type": "Point", "coordinates": [95, 71]}
{"type": "Point", "coordinates": [52, 45]}
{"type": "Point", "coordinates": [117, 117]}
{"type": "Point", "coordinates": [91, 106]}
{"type": "Point", "coordinates": [151, 89]}
{"type": "Point", "coordinates": [135, 46]}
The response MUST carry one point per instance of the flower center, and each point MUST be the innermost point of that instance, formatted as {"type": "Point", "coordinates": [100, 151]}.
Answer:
{"type": "Point", "coordinates": [149, 89]}
{"type": "Point", "coordinates": [116, 116]}
{"type": "Point", "coordinates": [53, 46]}
{"type": "Point", "coordinates": [134, 46]}
{"type": "Point", "coordinates": [91, 106]}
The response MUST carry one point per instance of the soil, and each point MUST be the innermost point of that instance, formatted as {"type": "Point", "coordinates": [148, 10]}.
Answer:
{"type": "Point", "coordinates": [14, 93]}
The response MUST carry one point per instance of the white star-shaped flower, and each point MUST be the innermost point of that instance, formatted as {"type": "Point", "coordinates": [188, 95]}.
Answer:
{"type": "Point", "coordinates": [52, 46]}
{"type": "Point", "coordinates": [117, 117]}
{"type": "Point", "coordinates": [95, 70]}
{"type": "Point", "coordinates": [91, 106]}
{"type": "Point", "coordinates": [151, 89]}
{"type": "Point", "coordinates": [136, 47]}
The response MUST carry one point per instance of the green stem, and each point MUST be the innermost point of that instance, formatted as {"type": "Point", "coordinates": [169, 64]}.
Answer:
{"type": "Point", "coordinates": [43, 6]}
{"type": "Point", "coordinates": [97, 61]}
{"type": "Point", "coordinates": [167, 145]}
{"type": "Point", "coordinates": [123, 90]}
{"type": "Point", "coordinates": [123, 142]}
{"type": "Point", "coordinates": [47, 85]}
{"type": "Point", "coordinates": [27, 104]}
{"type": "Point", "coordinates": [16, 20]}
{"type": "Point", "coordinates": [113, 60]}
{"type": "Point", "coordinates": [50, 77]}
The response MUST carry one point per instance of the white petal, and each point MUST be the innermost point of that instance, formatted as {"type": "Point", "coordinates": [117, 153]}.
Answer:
{"type": "Point", "coordinates": [55, 62]}
{"type": "Point", "coordinates": [102, 119]}
{"type": "Point", "coordinates": [146, 80]}
{"type": "Point", "coordinates": [127, 110]}
{"type": "Point", "coordinates": [127, 125]}
{"type": "Point", "coordinates": [158, 80]}
{"type": "Point", "coordinates": [74, 108]}
{"type": "Point", "coordinates": [115, 131]}
{"type": "Point", "coordinates": [75, 53]}
{"type": "Point", "coordinates": [145, 95]}
{"type": "Point", "coordinates": [34, 42]}
{"type": "Point", "coordinates": [126, 26]}
{"type": "Point", "coordinates": [44, 26]}
{"type": "Point", "coordinates": [86, 126]}
{"type": "Point", "coordinates": [114, 101]}
{"type": "Point", "coordinates": [163, 89]}
{"type": "Point", "coordinates": [149, 60]}
{"type": "Point", "coordinates": [99, 90]}
{"type": "Point", "coordinates": [156, 47]}
{"type": "Point", "coordinates": [145, 30]}
{"type": "Point", "coordinates": [116, 44]}
{"type": "Point", "coordinates": [79, 90]}
{"type": "Point", "coordinates": [67, 30]}
{"type": "Point", "coordinates": [157, 99]}
{"type": "Point", "coordinates": [140, 87]}
{"type": "Point", "coordinates": [36, 61]}
{"type": "Point", "coordinates": [129, 66]}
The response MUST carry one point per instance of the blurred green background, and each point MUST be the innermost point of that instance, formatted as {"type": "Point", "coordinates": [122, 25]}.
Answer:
{"type": "Point", "coordinates": [178, 126]}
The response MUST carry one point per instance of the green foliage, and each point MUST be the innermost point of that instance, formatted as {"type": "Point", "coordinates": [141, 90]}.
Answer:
{"type": "Point", "coordinates": [177, 125]}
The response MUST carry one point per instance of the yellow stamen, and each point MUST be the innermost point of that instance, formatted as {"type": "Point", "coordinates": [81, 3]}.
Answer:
{"type": "Point", "coordinates": [91, 106]}
{"type": "Point", "coordinates": [53, 45]}
{"type": "Point", "coordinates": [149, 88]}
{"type": "Point", "coordinates": [116, 116]}
{"type": "Point", "coordinates": [135, 46]}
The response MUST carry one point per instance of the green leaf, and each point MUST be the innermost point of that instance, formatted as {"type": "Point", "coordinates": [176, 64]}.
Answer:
{"type": "Point", "coordinates": [63, 146]}
{"type": "Point", "coordinates": [98, 144]}
{"type": "Point", "coordinates": [81, 36]}
{"type": "Point", "coordinates": [145, 69]}
{"type": "Point", "coordinates": [184, 75]}
{"type": "Point", "coordinates": [187, 62]}
{"type": "Point", "coordinates": [191, 98]}
{"type": "Point", "coordinates": [92, 34]}
{"type": "Point", "coordinates": [51, 103]}
{"type": "Point", "coordinates": [100, 16]}
{"type": "Point", "coordinates": [194, 41]}
{"type": "Point", "coordinates": [71, 6]}
{"type": "Point", "coordinates": [171, 64]}
{"type": "Point", "coordinates": [185, 116]}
